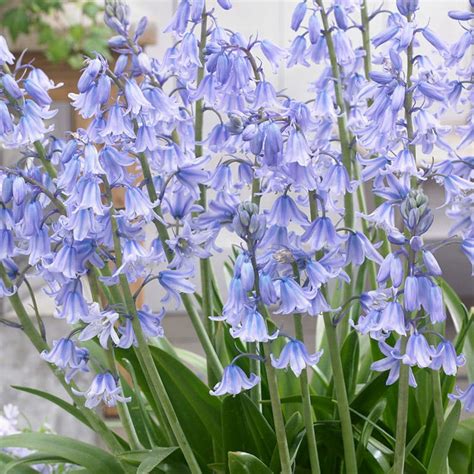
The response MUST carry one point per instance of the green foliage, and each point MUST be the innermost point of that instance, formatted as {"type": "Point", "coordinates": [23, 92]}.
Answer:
{"type": "Point", "coordinates": [62, 39]}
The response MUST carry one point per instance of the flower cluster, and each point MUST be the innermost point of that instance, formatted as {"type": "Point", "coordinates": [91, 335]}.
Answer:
{"type": "Point", "coordinates": [310, 160]}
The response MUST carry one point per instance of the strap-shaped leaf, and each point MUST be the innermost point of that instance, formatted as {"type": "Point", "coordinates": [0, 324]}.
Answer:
{"type": "Point", "coordinates": [444, 440]}
{"type": "Point", "coordinates": [245, 463]}
{"type": "Point", "coordinates": [96, 460]}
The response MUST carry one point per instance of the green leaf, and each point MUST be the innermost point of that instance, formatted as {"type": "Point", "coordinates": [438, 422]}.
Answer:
{"type": "Point", "coordinates": [17, 22]}
{"type": "Point", "coordinates": [35, 458]}
{"type": "Point", "coordinates": [147, 459]}
{"type": "Point", "coordinates": [5, 460]}
{"type": "Point", "coordinates": [245, 428]}
{"type": "Point", "coordinates": [91, 9]}
{"type": "Point", "coordinates": [461, 452]}
{"type": "Point", "coordinates": [96, 460]}
{"type": "Point", "coordinates": [463, 322]}
{"type": "Point", "coordinates": [367, 429]}
{"type": "Point", "coordinates": [245, 463]}
{"type": "Point", "coordinates": [71, 409]}
{"type": "Point", "coordinates": [445, 438]}
{"type": "Point", "coordinates": [350, 361]}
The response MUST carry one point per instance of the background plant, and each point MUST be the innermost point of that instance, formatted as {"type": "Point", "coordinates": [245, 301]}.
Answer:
{"type": "Point", "coordinates": [290, 182]}
{"type": "Point", "coordinates": [50, 21]}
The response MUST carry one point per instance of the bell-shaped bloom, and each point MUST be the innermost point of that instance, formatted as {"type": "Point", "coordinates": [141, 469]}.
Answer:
{"type": "Point", "coordinates": [292, 298]}
{"type": "Point", "coordinates": [66, 355]}
{"type": "Point", "coordinates": [175, 282]}
{"type": "Point", "coordinates": [447, 358]}
{"type": "Point", "coordinates": [101, 324]}
{"type": "Point", "coordinates": [418, 351]}
{"type": "Point", "coordinates": [273, 53]}
{"type": "Point", "coordinates": [284, 211]}
{"type": "Point", "coordinates": [135, 99]}
{"type": "Point", "coordinates": [391, 267]}
{"type": "Point", "coordinates": [137, 204]}
{"type": "Point", "coordinates": [244, 270]}
{"type": "Point", "coordinates": [295, 356]}
{"type": "Point", "coordinates": [267, 289]}
{"type": "Point", "coordinates": [298, 15]}
{"type": "Point", "coordinates": [465, 396]}
{"type": "Point", "coordinates": [5, 55]}
{"type": "Point", "coordinates": [73, 304]}
{"type": "Point", "coordinates": [252, 328]}
{"type": "Point", "coordinates": [392, 363]}
{"type": "Point", "coordinates": [359, 247]}
{"type": "Point", "coordinates": [392, 319]}
{"type": "Point", "coordinates": [234, 381]}
{"type": "Point", "coordinates": [4, 291]}
{"type": "Point", "coordinates": [104, 388]}
{"type": "Point", "coordinates": [320, 233]}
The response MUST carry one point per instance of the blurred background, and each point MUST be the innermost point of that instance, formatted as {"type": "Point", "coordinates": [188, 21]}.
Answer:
{"type": "Point", "coordinates": [58, 33]}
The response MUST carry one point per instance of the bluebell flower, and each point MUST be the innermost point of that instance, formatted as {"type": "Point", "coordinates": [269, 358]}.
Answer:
{"type": "Point", "coordinates": [225, 4]}
{"type": "Point", "coordinates": [292, 298]}
{"type": "Point", "coordinates": [244, 270]}
{"type": "Point", "coordinates": [267, 289]}
{"type": "Point", "coordinates": [66, 355]}
{"type": "Point", "coordinates": [392, 363]}
{"type": "Point", "coordinates": [344, 50]}
{"type": "Point", "coordinates": [4, 291]}
{"type": "Point", "coordinates": [407, 7]}
{"type": "Point", "coordinates": [447, 358]}
{"type": "Point", "coordinates": [318, 304]}
{"type": "Point", "coordinates": [359, 248]}
{"type": "Point", "coordinates": [175, 282]}
{"type": "Point", "coordinates": [74, 307]}
{"type": "Point", "coordinates": [296, 356]}
{"type": "Point", "coordinates": [87, 194]}
{"type": "Point", "coordinates": [104, 388]}
{"type": "Point", "coordinates": [151, 322]}
{"type": "Point", "coordinates": [317, 273]}
{"type": "Point", "coordinates": [89, 74]}
{"type": "Point", "coordinates": [391, 267]}
{"type": "Point", "coordinates": [135, 99]}
{"type": "Point", "coordinates": [418, 351]}
{"type": "Point", "coordinates": [461, 15]}
{"type": "Point", "coordinates": [392, 319]}
{"type": "Point", "coordinates": [273, 53]}
{"type": "Point", "coordinates": [298, 52]}
{"type": "Point", "coordinates": [321, 233]}
{"type": "Point", "coordinates": [101, 324]}
{"type": "Point", "coordinates": [298, 15]}
{"type": "Point", "coordinates": [5, 55]}
{"type": "Point", "coordinates": [465, 396]}
{"type": "Point", "coordinates": [39, 246]}
{"type": "Point", "coordinates": [252, 328]}
{"type": "Point", "coordinates": [234, 381]}
{"type": "Point", "coordinates": [411, 295]}
{"type": "Point", "coordinates": [137, 204]}
{"type": "Point", "coordinates": [11, 86]}
{"type": "Point", "coordinates": [284, 211]}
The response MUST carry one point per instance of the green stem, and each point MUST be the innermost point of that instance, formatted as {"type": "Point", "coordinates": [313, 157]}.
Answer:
{"type": "Point", "coordinates": [44, 161]}
{"type": "Point", "coordinates": [277, 412]}
{"type": "Point", "coordinates": [342, 118]}
{"type": "Point", "coordinates": [209, 350]}
{"type": "Point", "coordinates": [279, 422]}
{"type": "Point", "coordinates": [402, 415]}
{"type": "Point", "coordinates": [122, 408]}
{"type": "Point", "coordinates": [154, 379]}
{"type": "Point", "coordinates": [255, 392]}
{"type": "Point", "coordinates": [364, 14]}
{"type": "Point", "coordinates": [40, 345]}
{"type": "Point", "coordinates": [408, 103]}
{"type": "Point", "coordinates": [341, 396]}
{"type": "Point", "coordinates": [437, 399]}
{"type": "Point", "coordinates": [307, 408]}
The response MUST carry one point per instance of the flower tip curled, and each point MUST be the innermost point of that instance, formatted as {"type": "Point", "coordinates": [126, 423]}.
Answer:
{"type": "Point", "coordinates": [234, 381]}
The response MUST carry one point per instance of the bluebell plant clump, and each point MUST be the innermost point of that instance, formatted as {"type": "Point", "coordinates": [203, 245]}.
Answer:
{"type": "Point", "coordinates": [287, 176]}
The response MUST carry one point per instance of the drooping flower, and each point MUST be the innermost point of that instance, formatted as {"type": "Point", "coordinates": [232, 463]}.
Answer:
{"type": "Point", "coordinates": [296, 356]}
{"type": "Point", "coordinates": [234, 381]}
{"type": "Point", "coordinates": [104, 388]}
{"type": "Point", "coordinates": [465, 396]}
